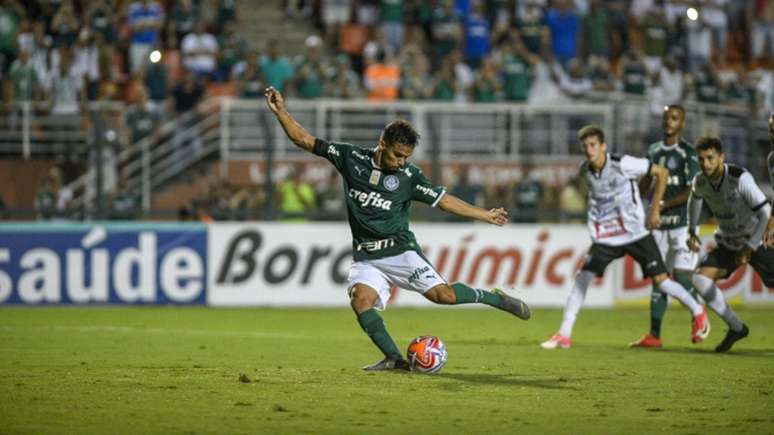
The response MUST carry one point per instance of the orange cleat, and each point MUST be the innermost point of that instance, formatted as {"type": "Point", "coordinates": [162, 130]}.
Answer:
{"type": "Point", "coordinates": [557, 341]}
{"type": "Point", "coordinates": [648, 341]}
{"type": "Point", "coordinates": [701, 327]}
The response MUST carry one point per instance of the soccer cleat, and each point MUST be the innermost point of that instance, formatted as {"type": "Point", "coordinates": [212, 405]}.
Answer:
{"type": "Point", "coordinates": [557, 341]}
{"type": "Point", "coordinates": [731, 338]}
{"type": "Point", "coordinates": [701, 327]}
{"type": "Point", "coordinates": [389, 363]}
{"type": "Point", "coordinates": [515, 306]}
{"type": "Point", "coordinates": [648, 341]}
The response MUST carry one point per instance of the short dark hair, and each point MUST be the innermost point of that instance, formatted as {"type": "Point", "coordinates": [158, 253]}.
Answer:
{"type": "Point", "coordinates": [708, 142]}
{"type": "Point", "coordinates": [675, 107]}
{"type": "Point", "coordinates": [591, 130]}
{"type": "Point", "coordinates": [400, 131]}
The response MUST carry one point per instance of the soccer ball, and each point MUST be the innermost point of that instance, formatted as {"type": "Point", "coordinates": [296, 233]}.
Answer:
{"type": "Point", "coordinates": [427, 354]}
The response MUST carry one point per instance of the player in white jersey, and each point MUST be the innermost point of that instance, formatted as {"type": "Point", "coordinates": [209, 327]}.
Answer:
{"type": "Point", "coordinates": [768, 236]}
{"type": "Point", "coordinates": [617, 225]}
{"type": "Point", "coordinates": [741, 209]}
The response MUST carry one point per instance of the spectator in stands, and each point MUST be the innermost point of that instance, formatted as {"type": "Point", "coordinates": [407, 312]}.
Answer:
{"type": "Point", "coordinates": [187, 94]}
{"type": "Point", "coordinates": [142, 122]}
{"type": "Point", "coordinates": [296, 196]}
{"type": "Point", "coordinates": [11, 16]}
{"type": "Point", "coordinates": [276, 69]}
{"type": "Point", "coordinates": [532, 27]}
{"type": "Point", "coordinates": [335, 13]}
{"type": "Point", "coordinates": [761, 18]}
{"type": "Point", "coordinates": [330, 200]}
{"type": "Point", "coordinates": [393, 27]}
{"type": "Point", "coordinates": [447, 31]}
{"type": "Point", "coordinates": [100, 17]}
{"type": "Point", "coordinates": [157, 84]}
{"type": "Point", "coordinates": [311, 69]}
{"type": "Point", "coordinates": [575, 83]}
{"type": "Point", "coordinates": [353, 37]}
{"type": "Point", "coordinates": [706, 84]}
{"type": "Point", "coordinates": [517, 64]}
{"type": "Point", "coordinates": [64, 86]}
{"type": "Point", "coordinates": [655, 34]}
{"type": "Point", "coordinates": [226, 14]}
{"type": "Point", "coordinates": [596, 27]}
{"type": "Point", "coordinates": [633, 73]}
{"type": "Point", "coordinates": [472, 193]}
{"type": "Point", "coordinates": [742, 93]}
{"type": "Point", "coordinates": [25, 85]}
{"type": "Point", "coordinates": [45, 199]}
{"type": "Point", "coordinates": [444, 83]}
{"type": "Point", "coordinates": [601, 77]}
{"type": "Point", "coordinates": [619, 22]}
{"type": "Point", "coordinates": [65, 25]}
{"type": "Point", "coordinates": [487, 86]}
{"type": "Point", "coordinates": [200, 52]}
{"type": "Point", "coordinates": [343, 82]}
{"type": "Point", "coordinates": [41, 50]}
{"type": "Point", "coordinates": [125, 201]}
{"type": "Point", "coordinates": [669, 85]}
{"type": "Point", "coordinates": [86, 59]}
{"type": "Point", "coordinates": [714, 16]}
{"type": "Point", "coordinates": [477, 34]}
{"type": "Point", "coordinates": [247, 202]}
{"type": "Point", "coordinates": [233, 49]}
{"type": "Point", "coordinates": [463, 77]}
{"type": "Point", "coordinates": [526, 196]}
{"type": "Point", "coordinates": [382, 79]}
{"type": "Point", "coordinates": [250, 82]}
{"type": "Point", "coordinates": [544, 89]}
{"type": "Point", "coordinates": [145, 18]}
{"type": "Point", "coordinates": [564, 24]}
{"type": "Point", "coordinates": [416, 84]}
{"type": "Point", "coordinates": [184, 17]}
{"type": "Point", "coordinates": [698, 38]}
{"type": "Point", "coordinates": [53, 197]}
{"type": "Point", "coordinates": [572, 202]}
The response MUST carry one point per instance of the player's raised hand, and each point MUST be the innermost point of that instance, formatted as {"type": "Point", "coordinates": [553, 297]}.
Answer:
{"type": "Point", "coordinates": [694, 243]}
{"type": "Point", "coordinates": [274, 99]}
{"type": "Point", "coordinates": [497, 216]}
{"type": "Point", "coordinates": [768, 235]}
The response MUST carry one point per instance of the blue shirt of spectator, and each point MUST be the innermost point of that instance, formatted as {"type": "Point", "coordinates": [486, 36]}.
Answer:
{"type": "Point", "coordinates": [564, 32]}
{"type": "Point", "coordinates": [476, 39]}
{"type": "Point", "coordinates": [143, 14]}
{"type": "Point", "coordinates": [462, 7]}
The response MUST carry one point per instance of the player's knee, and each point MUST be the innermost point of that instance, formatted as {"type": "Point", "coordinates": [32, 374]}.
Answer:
{"type": "Point", "coordinates": [442, 294]}
{"type": "Point", "coordinates": [362, 298]}
{"type": "Point", "coordinates": [658, 279]}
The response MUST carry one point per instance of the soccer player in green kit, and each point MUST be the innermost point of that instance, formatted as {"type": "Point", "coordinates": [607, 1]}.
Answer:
{"type": "Point", "coordinates": [679, 158]}
{"type": "Point", "coordinates": [379, 185]}
{"type": "Point", "coordinates": [768, 235]}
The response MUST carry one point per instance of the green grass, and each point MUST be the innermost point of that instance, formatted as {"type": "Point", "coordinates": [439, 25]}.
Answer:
{"type": "Point", "coordinates": [176, 371]}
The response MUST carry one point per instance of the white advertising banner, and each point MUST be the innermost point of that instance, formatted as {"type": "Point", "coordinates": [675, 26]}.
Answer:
{"type": "Point", "coordinates": [308, 263]}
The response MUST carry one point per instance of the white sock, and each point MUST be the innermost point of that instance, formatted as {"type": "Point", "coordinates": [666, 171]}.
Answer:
{"type": "Point", "coordinates": [575, 301]}
{"type": "Point", "coordinates": [674, 289]}
{"type": "Point", "coordinates": [716, 301]}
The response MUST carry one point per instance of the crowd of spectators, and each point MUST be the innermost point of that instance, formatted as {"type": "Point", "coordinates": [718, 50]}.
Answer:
{"type": "Point", "coordinates": [540, 51]}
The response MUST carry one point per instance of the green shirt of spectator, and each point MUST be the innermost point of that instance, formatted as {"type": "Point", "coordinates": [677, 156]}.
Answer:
{"type": "Point", "coordinates": [9, 25]}
{"type": "Point", "coordinates": [276, 70]}
{"type": "Point", "coordinates": [655, 33]}
{"type": "Point", "coordinates": [232, 50]}
{"type": "Point", "coordinates": [309, 77]}
{"type": "Point", "coordinates": [24, 80]}
{"type": "Point", "coordinates": [392, 11]}
{"type": "Point", "coordinates": [444, 90]}
{"type": "Point", "coordinates": [595, 29]}
{"type": "Point", "coordinates": [707, 89]}
{"type": "Point", "coordinates": [484, 91]}
{"type": "Point", "coordinates": [141, 123]}
{"type": "Point", "coordinates": [516, 78]}
{"type": "Point", "coordinates": [296, 199]}
{"type": "Point", "coordinates": [634, 77]}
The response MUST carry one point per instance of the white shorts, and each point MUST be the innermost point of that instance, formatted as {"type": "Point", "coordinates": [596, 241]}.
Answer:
{"type": "Point", "coordinates": [407, 270]}
{"type": "Point", "coordinates": [673, 245]}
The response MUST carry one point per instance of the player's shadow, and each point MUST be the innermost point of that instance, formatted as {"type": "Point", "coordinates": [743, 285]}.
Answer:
{"type": "Point", "coordinates": [750, 353]}
{"type": "Point", "coordinates": [560, 383]}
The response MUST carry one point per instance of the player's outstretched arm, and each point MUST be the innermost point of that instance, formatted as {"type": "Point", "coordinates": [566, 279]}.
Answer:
{"type": "Point", "coordinates": [661, 176]}
{"type": "Point", "coordinates": [451, 204]}
{"type": "Point", "coordinates": [293, 129]}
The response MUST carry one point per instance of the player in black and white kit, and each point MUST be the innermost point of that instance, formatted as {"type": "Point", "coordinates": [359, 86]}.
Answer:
{"type": "Point", "coordinates": [617, 225]}
{"type": "Point", "coordinates": [768, 235]}
{"type": "Point", "coordinates": [741, 210]}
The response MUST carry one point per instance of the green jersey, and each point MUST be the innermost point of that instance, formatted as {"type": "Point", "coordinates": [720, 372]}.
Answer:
{"type": "Point", "coordinates": [681, 162]}
{"type": "Point", "coordinates": [378, 200]}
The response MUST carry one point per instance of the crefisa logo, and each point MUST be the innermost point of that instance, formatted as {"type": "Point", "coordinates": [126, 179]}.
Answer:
{"type": "Point", "coordinates": [98, 266]}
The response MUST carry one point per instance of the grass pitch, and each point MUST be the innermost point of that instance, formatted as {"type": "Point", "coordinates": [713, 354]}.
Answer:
{"type": "Point", "coordinates": [177, 371]}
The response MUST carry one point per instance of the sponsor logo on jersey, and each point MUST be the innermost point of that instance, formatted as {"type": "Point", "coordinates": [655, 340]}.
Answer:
{"type": "Point", "coordinates": [427, 191]}
{"type": "Point", "coordinates": [375, 176]}
{"type": "Point", "coordinates": [370, 199]}
{"type": "Point", "coordinates": [359, 155]}
{"type": "Point", "coordinates": [333, 151]}
{"type": "Point", "coordinates": [391, 182]}
{"type": "Point", "coordinates": [418, 271]}
{"type": "Point", "coordinates": [359, 170]}
{"type": "Point", "coordinates": [376, 245]}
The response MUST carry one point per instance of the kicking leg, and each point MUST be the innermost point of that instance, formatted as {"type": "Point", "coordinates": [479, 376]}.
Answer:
{"type": "Point", "coordinates": [701, 327]}
{"type": "Point", "coordinates": [460, 293]}
{"type": "Point", "coordinates": [705, 284]}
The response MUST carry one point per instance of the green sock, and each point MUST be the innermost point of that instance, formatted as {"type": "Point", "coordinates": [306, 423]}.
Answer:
{"type": "Point", "coordinates": [658, 306]}
{"type": "Point", "coordinates": [468, 295]}
{"type": "Point", "coordinates": [373, 325]}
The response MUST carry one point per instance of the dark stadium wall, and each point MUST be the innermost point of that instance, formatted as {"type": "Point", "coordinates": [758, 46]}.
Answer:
{"type": "Point", "coordinates": [19, 180]}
